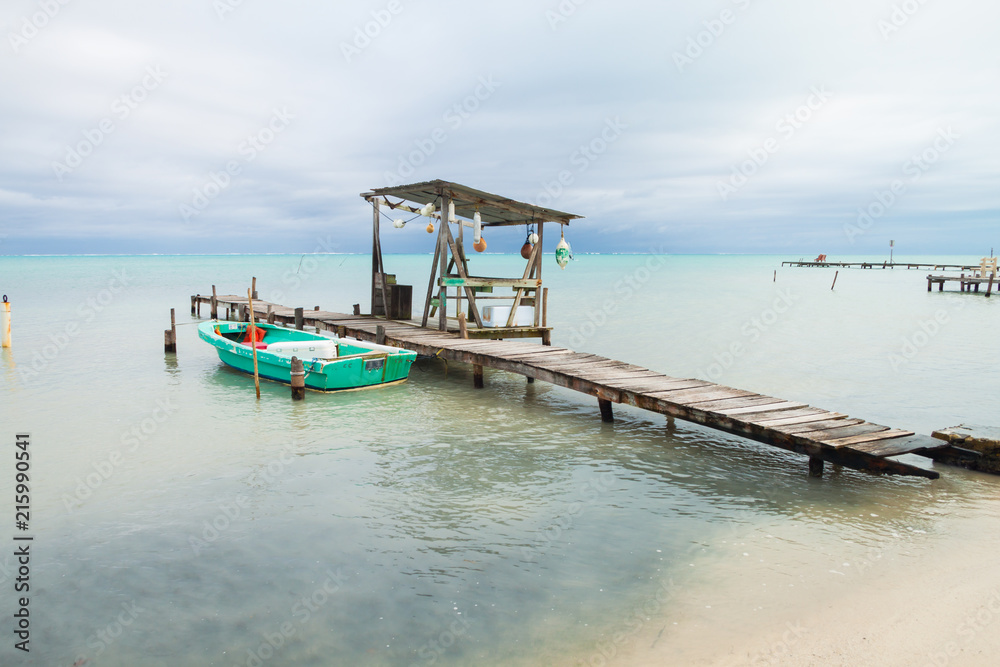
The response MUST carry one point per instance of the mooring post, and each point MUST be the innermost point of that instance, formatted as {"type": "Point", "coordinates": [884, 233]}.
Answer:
{"type": "Point", "coordinates": [170, 335]}
{"type": "Point", "coordinates": [253, 288]}
{"type": "Point", "coordinates": [215, 305]}
{"type": "Point", "coordinates": [607, 414]}
{"type": "Point", "coordinates": [815, 466]}
{"type": "Point", "coordinates": [341, 331]}
{"type": "Point", "coordinates": [270, 314]}
{"type": "Point", "coordinates": [194, 300]}
{"type": "Point", "coordinates": [299, 319]}
{"type": "Point", "coordinates": [477, 376]}
{"type": "Point", "coordinates": [357, 309]}
{"type": "Point", "coordinates": [379, 335]}
{"type": "Point", "coordinates": [298, 379]}
{"type": "Point", "coordinates": [989, 287]}
{"type": "Point", "coordinates": [463, 327]}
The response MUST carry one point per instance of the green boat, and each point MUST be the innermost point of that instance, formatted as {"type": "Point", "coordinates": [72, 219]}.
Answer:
{"type": "Point", "coordinates": [331, 364]}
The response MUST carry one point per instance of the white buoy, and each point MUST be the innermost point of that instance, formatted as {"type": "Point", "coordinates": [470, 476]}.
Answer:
{"type": "Point", "coordinates": [399, 223]}
{"type": "Point", "coordinates": [477, 228]}
{"type": "Point", "coordinates": [5, 323]}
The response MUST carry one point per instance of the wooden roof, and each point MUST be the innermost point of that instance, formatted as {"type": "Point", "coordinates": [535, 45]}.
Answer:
{"type": "Point", "coordinates": [494, 210]}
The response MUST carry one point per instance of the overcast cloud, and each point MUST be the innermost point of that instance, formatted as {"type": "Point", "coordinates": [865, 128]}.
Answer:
{"type": "Point", "coordinates": [727, 126]}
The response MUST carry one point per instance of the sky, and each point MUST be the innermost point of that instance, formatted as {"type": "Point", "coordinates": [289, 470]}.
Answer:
{"type": "Point", "coordinates": [730, 126]}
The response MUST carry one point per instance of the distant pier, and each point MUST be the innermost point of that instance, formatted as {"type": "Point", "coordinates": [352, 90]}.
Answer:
{"type": "Point", "coordinates": [882, 265]}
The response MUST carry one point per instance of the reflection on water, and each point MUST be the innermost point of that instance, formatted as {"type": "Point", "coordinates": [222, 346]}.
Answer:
{"type": "Point", "coordinates": [422, 523]}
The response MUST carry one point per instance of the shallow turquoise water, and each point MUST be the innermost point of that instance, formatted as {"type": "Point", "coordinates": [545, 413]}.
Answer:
{"type": "Point", "coordinates": [428, 523]}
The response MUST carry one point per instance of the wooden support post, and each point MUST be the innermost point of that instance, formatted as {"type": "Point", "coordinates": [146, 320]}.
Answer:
{"type": "Point", "coordinates": [463, 328]}
{"type": "Point", "coordinates": [194, 301]}
{"type": "Point", "coordinates": [170, 335]}
{"type": "Point", "coordinates": [379, 335]}
{"type": "Point", "coordinates": [215, 305]}
{"type": "Point", "coordinates": [928, 283]}
{"type": "Point", "coordinates": [815, 466]}
{"type": "Point", "coordinates": [316, 308]}
{"type": "Point", "coordinates": [989, 287]}
{"type": "Point", "coordinates": [357, 309]}
{"type": "Point", "coordinates": [341, 331]}
{"type": "Point", "coordinates": [299, 319]}
{"type": "Point", "coordinates": [270, 314]}
{"type": "Point", "coordinates": [298, 379]}
{"type": "Point", "coordinates": [545, 306]}
{"type": "Point", "coordinates": [477, 376]}
{"type": "Point", "coordinates": [941, 286]}
{"type": "Point", "coordinates": [775, 276]}
{"type": "Point", "coordinates": [253, 342]}
{"type": "Point", "coordinates": [607, 414]}
{"type": "Point", "coordinates": [253, 287]}
{"type": "Point", "coordinates": [546, 338]}
{"type": "Point", "coordinates": [443, 259]}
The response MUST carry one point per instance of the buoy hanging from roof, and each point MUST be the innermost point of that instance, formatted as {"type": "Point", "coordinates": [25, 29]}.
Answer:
{"type": "Point", "coordinates": [477, 228]}
{"type": "Point", "coordinates": [428, 210]}
{"type": "Point", "coordinates": [399, 223]}
{"type": "Point", "coordinates": [526, 248]}
{"type": "Point", "coordinates": [563, 252]}
{"type": "Point", "coordinates": [480, 245]}
{"type": "Point", "coordinates": [430, 227]}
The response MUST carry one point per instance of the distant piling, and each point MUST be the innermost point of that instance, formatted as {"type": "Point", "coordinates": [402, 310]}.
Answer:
{"type": "Point", "coordinates": [170, 335]}
{"type": "Point", "coordinates": [298, 379]}
{"type": "Point", "coordinates": [5, 323]}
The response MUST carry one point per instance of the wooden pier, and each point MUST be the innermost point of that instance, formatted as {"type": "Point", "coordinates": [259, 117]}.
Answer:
{"type": "Point", "coordinates": [880, 265]}
{"type": "Point", "coordinates": [966, 283]}
{"type": "Point", "coordinates": [821, 435]}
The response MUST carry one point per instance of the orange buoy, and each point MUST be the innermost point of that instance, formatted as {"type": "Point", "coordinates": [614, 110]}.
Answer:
{"type": "Point", "coordinates": [480, 245]}
{"type": "Point", "coordinates": [430, 227]}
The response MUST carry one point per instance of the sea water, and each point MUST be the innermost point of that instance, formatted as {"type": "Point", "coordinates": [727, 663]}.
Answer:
{"type": "Point", "coordinates": [179, 521]}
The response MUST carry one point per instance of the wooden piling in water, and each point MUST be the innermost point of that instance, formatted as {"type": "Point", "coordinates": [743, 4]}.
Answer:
{"type": "Point", "coordinates": [477, 376]}
{"type": "Point", "coordinates": [215, 305]}
{"type": "Point", "coordinates": [253, 288]}
{"type": "Point", "coordinates": [815, 466]}
{"type": "Point", "coordinates": [253, 342]}
{"type": "Point", "coordinates": [270, 314]}
{"type": "Point", "coordinates": [463, 327]}
{"type": "Point", "coordinates": [836, 273]}
{"type": "Point", "coordinates": [379, 335]}
{"type": "Point", "coordinates": [989, 287]}
{"type": "Point", "coordinates": [299, 319]}
{"type": "Point", "coordinates": [170, 335]}
{"type": "Point", "coordinates": [298, 379]}
{"type": "Point", "coordinates": [607, 413]}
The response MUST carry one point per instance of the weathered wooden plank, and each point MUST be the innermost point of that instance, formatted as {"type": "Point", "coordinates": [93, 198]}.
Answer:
{"type": "Point", "coordinates": [702, 395]}
{"type": "Point", "coordinates": [818, 416]}
{"type": "Point", "coordinates": [757, 401]}
{"type": "Point", "coordinates": [653, 384]}
{"type": "Point", "coordinates": [819, 426]}
{"type": "Point", "coordinates": [858, 439]}
{"type": "Point", "coordinates": [896, 446]}
{"type": "Point", "coordinates": [826, 435]}
{"type": "Point", "coordinates": [766, 415]}
{"type": "Point", "coordinates": [770, 407]}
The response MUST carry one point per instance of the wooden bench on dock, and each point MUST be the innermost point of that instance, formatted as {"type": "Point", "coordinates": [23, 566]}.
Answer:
{"type": "Point", "coordinates": [821, 435]}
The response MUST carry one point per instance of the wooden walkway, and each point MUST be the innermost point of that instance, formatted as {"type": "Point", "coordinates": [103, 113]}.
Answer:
{"type": "Point", "coordinates": [819, 434]}
{"type": "Point", "coordinates": [880, 265]}
{"type": "Point", "coordinates": [965, 283]}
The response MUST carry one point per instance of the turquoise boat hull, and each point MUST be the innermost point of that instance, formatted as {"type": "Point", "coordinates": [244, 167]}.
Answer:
{"type": "Point", "coordinates": [331, 364]}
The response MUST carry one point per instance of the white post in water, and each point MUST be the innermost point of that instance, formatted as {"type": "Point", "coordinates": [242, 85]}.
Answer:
{"type": "Point", "coordinates": [5, 323]}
